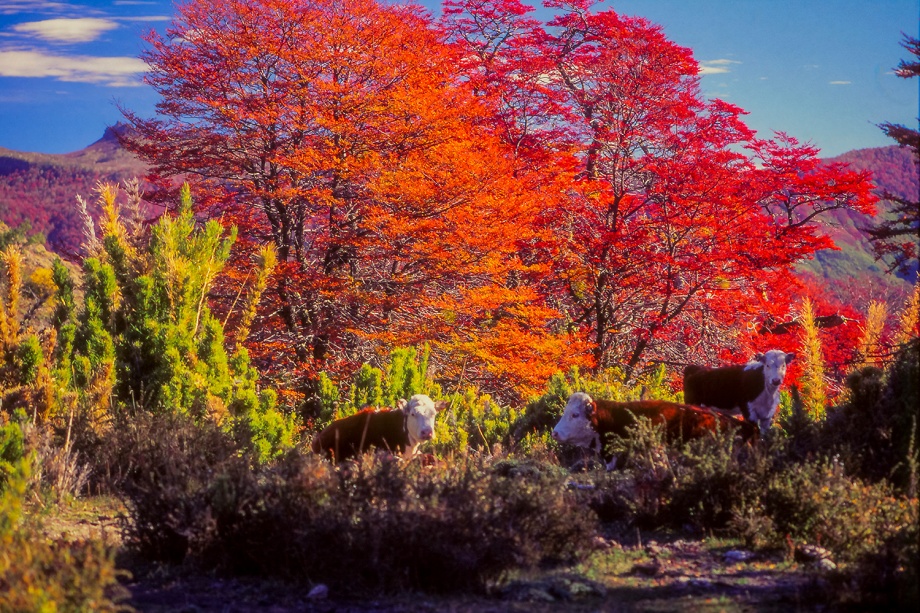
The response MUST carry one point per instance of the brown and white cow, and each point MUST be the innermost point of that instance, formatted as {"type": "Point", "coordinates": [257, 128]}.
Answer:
{"type": "Point", "coordinates": [586, 421]}
{"type": "Point", "coordinates": [401, 430]}
{"type": "Point", "coordinates": [752, 388]}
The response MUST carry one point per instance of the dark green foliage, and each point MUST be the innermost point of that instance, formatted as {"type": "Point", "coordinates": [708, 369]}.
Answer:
{"type": "Point", "coordinates": [367, 389]}
{"type": "Point", "coordinates": [404, 376]}
{"type": "Point", "coordinates": [146, 340]}
{"type": "Point", "coordinates": [12, 449]}
{"type": "Point", "coordinates": [27, 359]}
{"type": "Point", "coordinates": [886, 577]}
{"type": "Point", "coordinates": [65, 303]}
{"type": "Point", "coordinates": [872, 431]}
{"type": "Point", "coordinates": [407, 374]}
{"type": "Point", "coordinates": [474, 421]}
{"type": "Point", "coordinates": [15, 236]}
{"type": "Point", "coordinates": [378, 525]}
{"type": "Point", "coordinates": [818, 502]}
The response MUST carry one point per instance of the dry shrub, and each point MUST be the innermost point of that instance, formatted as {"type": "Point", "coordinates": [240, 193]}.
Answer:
{"type": "Point", "coordinates": [699, 484]}
{"type": "Point", "coordinates": [818, 502]}
{"type": "Point", "coordinates": [58, 467]}
{"type": "Point", "coordinates": [379, 524]}
{"type": "Point", "coordinates": [41, 574]}
{"type": "Point", "coordinates": [166, 467]}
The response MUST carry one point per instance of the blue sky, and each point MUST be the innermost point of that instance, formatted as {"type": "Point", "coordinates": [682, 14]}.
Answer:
{"type": "Point", "coordinates": [820, 70]}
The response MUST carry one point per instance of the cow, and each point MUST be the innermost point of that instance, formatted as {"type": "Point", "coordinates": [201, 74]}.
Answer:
{"type": "Point", "coordinates": [586, 421]}
{"type": "Point", "coordinates": [401, 430]}
{"type": "Point", "coordinates": [752, 388]}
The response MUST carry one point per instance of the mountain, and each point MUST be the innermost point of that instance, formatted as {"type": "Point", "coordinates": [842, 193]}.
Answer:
{"type": "Point", "coordinates": [38, 191]}
{"type": "Point", "coordinates": [851, 274]}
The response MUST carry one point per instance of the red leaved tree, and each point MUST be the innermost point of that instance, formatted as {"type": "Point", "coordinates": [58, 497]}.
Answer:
{"type": "Point", "coordinates": [339, 131]}
{"type": "Point", "coordinates": [675, 229]}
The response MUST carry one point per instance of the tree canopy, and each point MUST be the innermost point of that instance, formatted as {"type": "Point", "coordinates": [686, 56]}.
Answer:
{"type": "Point", "coordinates": [523, 195]}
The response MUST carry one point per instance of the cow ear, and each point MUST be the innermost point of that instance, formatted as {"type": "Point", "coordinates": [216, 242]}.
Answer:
{"type": "Point", "coordinates": [790, 356]}
{"type": "Point", "coordinates": [401, 404]}
{"type": "Point", "coordinates": [590, 407]}
{"type": "Point", "coordinates": [760, 358]}
{"type": "Point", "coordinates": [441, 405]}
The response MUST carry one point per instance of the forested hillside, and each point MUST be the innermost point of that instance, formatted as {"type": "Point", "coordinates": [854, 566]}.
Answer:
{"type": "Point", "coordinates": [40, 190]}
{"type": "Point", "coordinates": [852, 274]}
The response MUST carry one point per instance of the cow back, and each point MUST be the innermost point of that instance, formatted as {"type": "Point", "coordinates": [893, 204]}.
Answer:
{"type": "Point", "coordinates": [682, 421]}
{"type": "Point", "coordinates": [353, 435]}
{"type": "Point", "coordinates": [726, 388]}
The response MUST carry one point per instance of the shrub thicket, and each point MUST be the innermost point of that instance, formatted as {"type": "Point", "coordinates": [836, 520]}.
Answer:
{"type": "Point", "coordinates": [378, 524]}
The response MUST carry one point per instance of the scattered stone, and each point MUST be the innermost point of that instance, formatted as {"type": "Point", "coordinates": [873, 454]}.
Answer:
{"type": "Point", "coordinates": [320, 591]}
{"type": "Point", "coordinates": [601, 543]}
{"type": "Point", "coordinates": [562, 588]}
{"type": "Point", "coordinates": [737, 555]}
{"type": "Point", "coordinates": [572, 587]}
{"type": "Point", "coordinates": [811, 553]}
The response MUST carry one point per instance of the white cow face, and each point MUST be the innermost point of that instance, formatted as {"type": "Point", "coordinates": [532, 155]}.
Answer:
{"type": "Point", "coordinates": [575, 424]}
{"type": "Point", "coordinates": [774, 368]}
{"type": "Point", "coordinates": [420, 413]}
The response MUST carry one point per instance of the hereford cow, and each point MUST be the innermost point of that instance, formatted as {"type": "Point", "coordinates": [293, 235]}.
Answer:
{"type": "Point", "coordinates": [401, 429]}
{"type": "Point", "coordinates": [752, 388]}
{"type": "Point", "coordinates": [586, 421]}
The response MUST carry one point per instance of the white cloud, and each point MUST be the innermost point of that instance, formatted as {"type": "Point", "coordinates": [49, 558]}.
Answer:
{"type": "Point", "coordinates": [716, 66]}
{"type": "Point", "coordinates": [81, 30]}
{"type": "Point", "coordinates": [108, 71]}
{"type": "Point", "coordinates": [840, 82]}
{"type": "Point", "coordinates": [11, 7]}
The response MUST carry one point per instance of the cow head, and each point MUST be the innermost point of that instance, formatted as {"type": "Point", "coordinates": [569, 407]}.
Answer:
{"type": "Point", "coordinates": [420, 412]}
{"type": "Point", "coordinates": [575, 425]}
{"type": "Point", "coordinates": [774, 367]}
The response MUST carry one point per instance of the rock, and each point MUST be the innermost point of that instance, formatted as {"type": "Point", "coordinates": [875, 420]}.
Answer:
{"type": "Point", "coordinates": [825, 564]}
{"type": "Point", "coordinates": [320, 591]}
{"type": "Point", "coordinates": [571, 587]}
{"type": "Point", "coordinates": [737, 555]}
{"type": "Point", "coordinates": [600, 542]}
{"type": "Point", "coordinates": [811, 553]}
{"type": "Point", "coordinates": [562, 588]}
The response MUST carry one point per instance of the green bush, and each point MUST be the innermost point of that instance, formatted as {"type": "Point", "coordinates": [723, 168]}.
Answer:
{"type": "Point", "coordinates": [872, 432]}
{"type": "Point", "coordinates": [146, 340]}
{"type": "Point", "coordinates": [12, 449]}
{"type": "Point", "coordinates": [473, 421]}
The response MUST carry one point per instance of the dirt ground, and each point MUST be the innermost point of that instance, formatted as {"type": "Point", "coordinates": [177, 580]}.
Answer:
{"type": "Point", "coordinates": [641, 573]}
